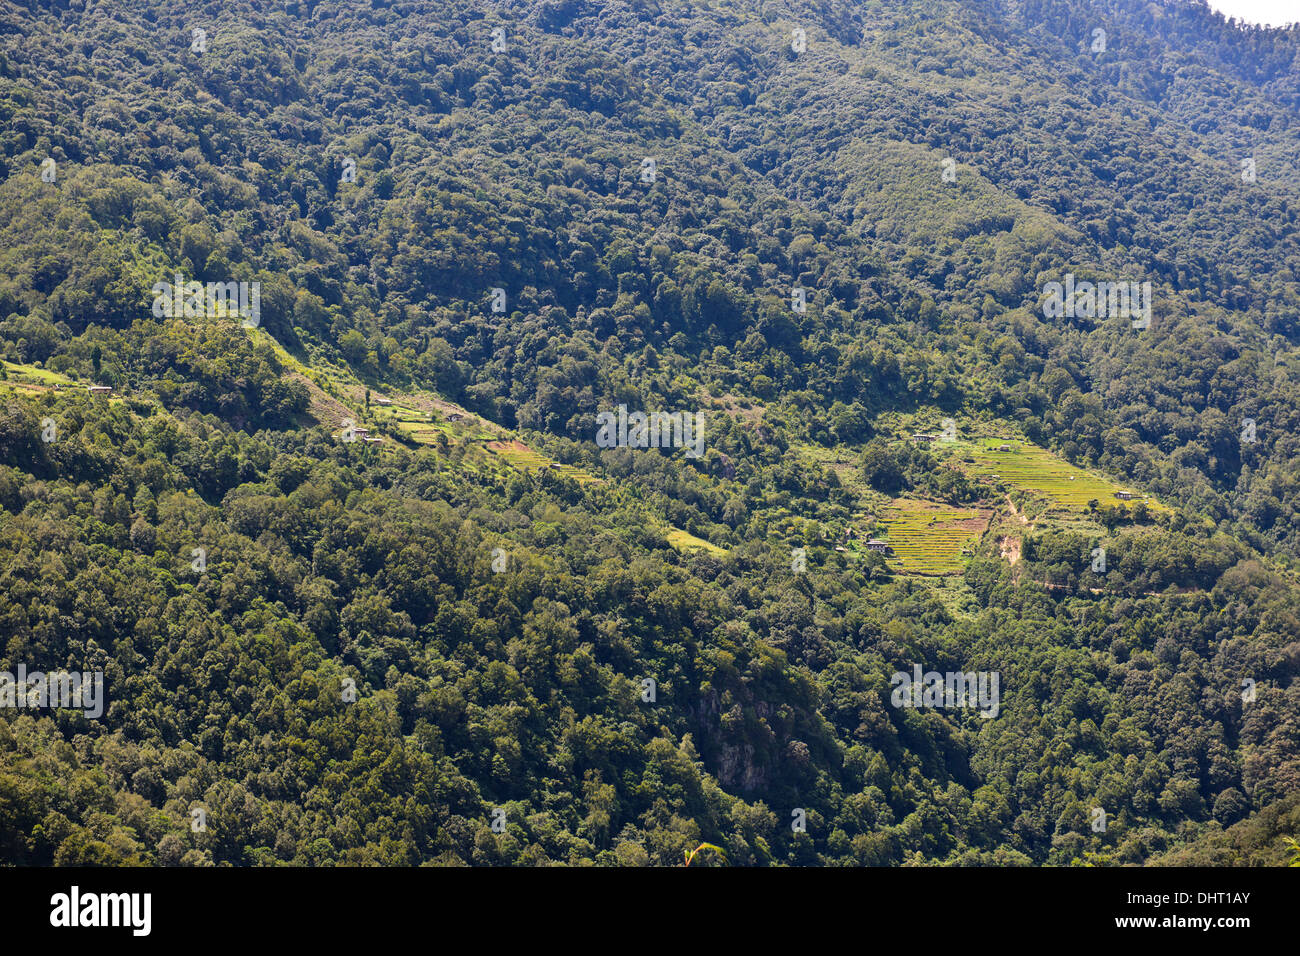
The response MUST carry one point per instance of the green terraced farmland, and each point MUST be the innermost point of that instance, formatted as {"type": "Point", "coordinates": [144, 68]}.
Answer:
{"type": "Point", "coordinates": [400, 413]}
{"type": "Point", "coordinates": [1036, 470]}
{"type": "Point", "coordinates": [518, 455]}
{"type": "Point", "coordinates": [426, 433]}
{"type": "Point", "coordinates": [420, 425]}
{"type": "Point", "coordinates": [32, 374]}
{"type": "Point", "coordinates": [413, 422]}
{"type": "Point", "coordinates": [930, 538]}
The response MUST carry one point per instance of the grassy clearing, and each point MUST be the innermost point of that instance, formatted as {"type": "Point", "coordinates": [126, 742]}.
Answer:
{"type": "Point", "coordinates": [262, 337]}
{"type": "Point", "coordinates": [31, 375]}
{"type": "Point", "coordinates": [326, 396]}
{"type": "Point", "coordinates": [685, 541]}
{"type": "Point", "coordinates": [28, 381]}
{"type": "Point", "coordinates": [931, 538]}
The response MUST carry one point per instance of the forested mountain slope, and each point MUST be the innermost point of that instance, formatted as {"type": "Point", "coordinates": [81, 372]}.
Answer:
{"type": "Point", "coordinates": [921, 170]}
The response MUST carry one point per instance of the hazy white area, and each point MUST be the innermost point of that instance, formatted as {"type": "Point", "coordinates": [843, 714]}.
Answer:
{"type": "Point", "coordinates": [1273, 13]}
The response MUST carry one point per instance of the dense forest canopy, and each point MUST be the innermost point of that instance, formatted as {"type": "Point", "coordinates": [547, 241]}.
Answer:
{"type": "Point", "coordinates": [364, 587]}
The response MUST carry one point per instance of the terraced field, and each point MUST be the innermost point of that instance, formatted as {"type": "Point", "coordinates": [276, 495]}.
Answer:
{"type": "Point", "coordinates": [415, 416]}
{"type": "Point", "coordinates": [1036, 470]}
{"type": "Point", "coordinates": [425, 432]}
{"type": "Point", "coordinates": [518, 455]}
{"type": "Point", "coordinates": [31, 375]}
{"type": "Point", "coordinates": [30, 381]}
{"type": "Point", "coordinates": [421, 426]}
{"type": "Point", "coordinates": [930, 538]}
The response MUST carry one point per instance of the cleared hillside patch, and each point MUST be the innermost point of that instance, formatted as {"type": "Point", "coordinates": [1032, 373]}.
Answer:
{"type": "Point", "coordinates": [1037, 471]}
{"type": "Point", "coordinates": [685, 541]}
{"type": "Point", "coordinates": [930, 538]}
{"type": "Point", "coordinates": [520, 456]}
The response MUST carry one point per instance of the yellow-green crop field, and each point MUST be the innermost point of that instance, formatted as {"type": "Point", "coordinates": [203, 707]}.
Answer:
{"type": "Point", "coordinates": [426, 433]}
{"type": "Point", "coordinates": [520, 456]}
{"type": "Point", "coordinates": [931, 538]}
{"type": "Point", "coordinates": [685, 541]}
{"type": "Point", "coordinates": [421, 427]}
{"type": "Point", "coordinates": [33, 375]}
{"type": "Point", "coordinates": [1036, 470]}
